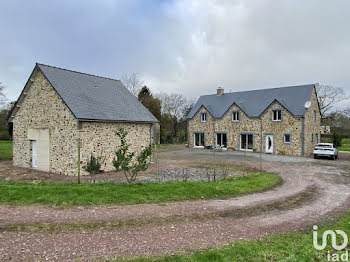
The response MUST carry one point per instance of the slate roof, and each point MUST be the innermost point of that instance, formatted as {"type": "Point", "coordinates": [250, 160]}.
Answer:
{"type": "Point", "coordinates": [254, 102]}
{"type": "Point", "coordinates": [97, 98]}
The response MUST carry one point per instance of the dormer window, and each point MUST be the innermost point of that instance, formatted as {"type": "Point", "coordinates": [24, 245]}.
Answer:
{"type": "Point", "coordinates": [203, 117]}
{"type": "Point", "coordinates": [277, 115]}
{"type": "Point", "coordinates": [235, 116]}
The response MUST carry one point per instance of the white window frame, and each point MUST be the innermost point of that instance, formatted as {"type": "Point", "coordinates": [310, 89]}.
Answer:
{"type": "Point", "coordinates": [194, 139]}
{"type": "Point", "coordinates": [237, 116]}
{"type": "Point", "coordinates": [203, 117]}
{"type": "Point", "coordinates": [284, 138]}
{"type": "Point", "coordinates": [273, 115]}
{"type": "Point", "coordinates": [240, 142]}
{"type": "Point", "coordinates": [222, 139]}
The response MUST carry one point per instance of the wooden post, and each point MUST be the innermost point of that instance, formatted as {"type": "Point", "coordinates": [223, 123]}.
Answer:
{"type": "Point", "coordinates": [79, 159]}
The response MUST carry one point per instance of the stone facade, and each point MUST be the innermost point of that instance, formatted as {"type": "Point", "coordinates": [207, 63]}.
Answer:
{"type": "Point", "coordinates": [99, 139]}
{"type": "Point", "coordinates": [43, 109]}
{"type": "Point", "coordinates": [312, 125]}
{"type": "Point", "coordinates": [260, 127]}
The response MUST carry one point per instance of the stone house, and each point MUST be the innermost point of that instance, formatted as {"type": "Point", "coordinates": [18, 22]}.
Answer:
{"type": "Point", "coordinates": [282, 120]}
{"type": "Point", "coordinates": [58, 108]}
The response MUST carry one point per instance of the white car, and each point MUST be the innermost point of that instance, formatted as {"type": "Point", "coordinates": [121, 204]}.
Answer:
{"type": "Point", "coordinates": [326, 150]}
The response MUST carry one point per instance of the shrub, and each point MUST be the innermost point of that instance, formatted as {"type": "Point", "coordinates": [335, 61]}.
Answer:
{"type": "Point", "coordinates": [124, 160]}
{"type": "Point", "coordinates": [93, 165]}
{"type": "Point", "coordinates": [336, 140]}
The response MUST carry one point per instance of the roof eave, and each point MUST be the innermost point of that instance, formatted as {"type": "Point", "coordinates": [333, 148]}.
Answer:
{"type": "Point", "coordinates": [116, 121]}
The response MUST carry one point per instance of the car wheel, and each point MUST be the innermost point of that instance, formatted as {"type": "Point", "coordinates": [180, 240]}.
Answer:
{"type": "Point", "coordinates": [333, 157]}
{"type": "Point", "coordinates": [336, 156]}
{"type": "Point", "coordinates": [315, 156]}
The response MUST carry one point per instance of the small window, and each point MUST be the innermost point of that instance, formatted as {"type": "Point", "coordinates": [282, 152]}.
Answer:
{"type": "Point", "coordinates": [203, 117]}
{"type": "Point", "coordinates": [235, 116]}
{"type": "Point", "coordinates": [277, 115]}
{"type": "Point", "coordinates": [286, 138]}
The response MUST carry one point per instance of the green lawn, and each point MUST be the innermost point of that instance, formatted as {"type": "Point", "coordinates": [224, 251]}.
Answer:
{"type": "Point", "coordinates": [5, 150]}
{"type": "Point", "coordinates": [71, 193]}
{"type": "Point", "coordinates": [278, 247]}
{"type": "Point", "coordinates": [345, 143]}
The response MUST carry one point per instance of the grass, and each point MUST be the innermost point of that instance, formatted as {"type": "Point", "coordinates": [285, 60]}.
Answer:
{"type": "Point", "coordinates": [344, 148]}
{"type": "Point", "coordinates": [5, 150]}
{"type": "Point", "coordinates": [277, 247]}
{"type": "Point", "coordinates": [285, 204]}
{"type": "Point", "coordinates": [345, 143]}
{"type": "Point", "coordinates": [71, 193]}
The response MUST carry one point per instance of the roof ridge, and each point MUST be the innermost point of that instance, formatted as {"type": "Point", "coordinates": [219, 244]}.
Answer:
{"type": "Point", "coordinates": [78, 72]}
{"type": "Point", "coordinates": [262, 89]}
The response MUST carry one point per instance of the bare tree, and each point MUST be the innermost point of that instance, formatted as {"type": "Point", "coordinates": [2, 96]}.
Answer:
{"type": "Point", "coordinates": [173, 104]}
{"type": "Point", "coordinates": [329, 96]}
{"type": "Point", "coordinates": [133, 83]}
{"type": "Point", "coordinates": [3, 98]}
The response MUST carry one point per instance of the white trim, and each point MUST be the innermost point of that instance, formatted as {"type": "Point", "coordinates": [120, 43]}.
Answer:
{"type": "Point", "coordinates": [276, 110]}
{"type": "Point", "coordinates": [204, 114]}
{"type": "Point", "coordinates": [240, 142]}
{"type": "Point", "coordinates": [267, 137]}
{"type": "Point", "coordinates": [235, 112]}
{"type": "Point", "coordinates": [284, 138]}
{"type": "Point", "coordinates": [194, 139]}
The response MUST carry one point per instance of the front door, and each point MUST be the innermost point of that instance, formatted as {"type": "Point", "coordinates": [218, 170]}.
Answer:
{"type": "Point", "coordinates": [33, 154]}
{"type": "Point", "coordinates": [269, 144]}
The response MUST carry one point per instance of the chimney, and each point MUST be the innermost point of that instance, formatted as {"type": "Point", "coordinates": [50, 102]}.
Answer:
{"type": "Point", "coordinates": [219, 91]}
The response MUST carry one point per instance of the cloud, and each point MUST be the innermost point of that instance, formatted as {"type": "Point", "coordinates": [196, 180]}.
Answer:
{"type": "Point", "coordinates": [190, 47]}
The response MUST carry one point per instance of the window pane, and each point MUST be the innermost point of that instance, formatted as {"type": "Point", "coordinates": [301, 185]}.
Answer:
{"type": "Point", "coordinates": [250, 141]}
{"type": "Point", "coordinates": [218, 139]}
{"type": "Point", "coordinates": [202, 140]}
{"type": "Point", "coordinates": [279, 114]}
{"type": "Point", "coordinates": [287, 138]}
{"type": "Point", "coordinates": [243, 141]}
{"type": "Point", "coordinates": [224, 140]}
{"type": "Point", "coordinates": [196, 138]}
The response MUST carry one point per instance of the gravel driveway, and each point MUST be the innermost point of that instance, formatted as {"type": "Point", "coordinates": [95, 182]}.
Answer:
{"type": "Point", "coordinates": [192, 228]}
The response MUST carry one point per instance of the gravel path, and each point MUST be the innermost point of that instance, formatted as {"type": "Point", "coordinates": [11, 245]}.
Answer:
{"type": "Point", "coordinates": [333, 185]}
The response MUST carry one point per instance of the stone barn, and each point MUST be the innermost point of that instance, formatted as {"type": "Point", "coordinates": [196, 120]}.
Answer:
{"type": "Point", "coordinates": [59, 107]}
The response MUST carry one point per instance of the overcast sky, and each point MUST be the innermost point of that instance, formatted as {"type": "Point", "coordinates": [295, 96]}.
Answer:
{"type": "Point", "coordinates": [188, 47]}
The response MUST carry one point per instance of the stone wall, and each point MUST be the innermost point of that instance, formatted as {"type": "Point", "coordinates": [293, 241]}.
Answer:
{"type": "Point", "coordinates": [100, 139]}
{"type": "Point", "coordinates": [288, 125]}
{"type": "Point", "coordinates": [42, 108]}
{"type": "Point", "coordinates": [312, 126]}
{"type": "Point", "coordinates": [258, 126]}
{"type": "Point", "coordinates": [195, 124]}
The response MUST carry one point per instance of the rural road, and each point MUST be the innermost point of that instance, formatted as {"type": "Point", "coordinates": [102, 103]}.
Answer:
{"type": "Point", "coordinates": [312, 191]}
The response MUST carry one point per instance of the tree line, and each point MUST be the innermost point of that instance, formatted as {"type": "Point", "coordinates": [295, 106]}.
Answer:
{"type": "Point", "coordinates": [171, 109]}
